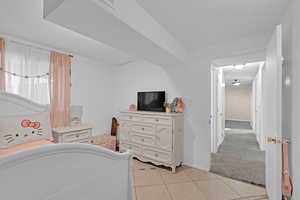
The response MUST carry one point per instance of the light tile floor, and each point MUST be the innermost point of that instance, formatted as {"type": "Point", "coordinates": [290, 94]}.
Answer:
{"type": "Point", "coordinates": [158, 183]}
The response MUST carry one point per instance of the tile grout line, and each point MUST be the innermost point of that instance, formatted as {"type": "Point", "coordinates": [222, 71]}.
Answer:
{"type": "Point", "coordinates": [135, 193]}
{"type": "Point", "coordinates": [165, 185]}
{"type": "Point", "coordinates": [240, 195]}
{"type": "Point", "coordinates": [231, 188]}
{"type": "Point", "coordinates": [215, 179]}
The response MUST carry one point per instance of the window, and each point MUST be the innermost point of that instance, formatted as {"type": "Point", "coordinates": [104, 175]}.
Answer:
{"type": "Point", "coordinates": [27, 61]}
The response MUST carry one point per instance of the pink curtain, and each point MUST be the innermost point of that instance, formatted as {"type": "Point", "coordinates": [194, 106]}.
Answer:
{"type": "Point", "coordinates": [2, 62]}
{"type": "Point", "coordinates": [60, 86]}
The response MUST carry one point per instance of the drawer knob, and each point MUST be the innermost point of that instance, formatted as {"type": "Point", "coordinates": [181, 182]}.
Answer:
{"type": "Point", "coordinates": [143, 129]}
{"type": "Point", "coordinates": [77, 135]}
{"type": "Point", "coordinates": [157, 120]}
{"type": "Point", "coordinates": [143, 140]}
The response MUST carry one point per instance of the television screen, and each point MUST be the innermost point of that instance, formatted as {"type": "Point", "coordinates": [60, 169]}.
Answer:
{"type": "Point", "coordinates": [151, 101]}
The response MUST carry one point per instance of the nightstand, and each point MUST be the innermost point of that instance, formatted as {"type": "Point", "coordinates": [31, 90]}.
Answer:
{"type": "Point", "coordinates": [73, 134]}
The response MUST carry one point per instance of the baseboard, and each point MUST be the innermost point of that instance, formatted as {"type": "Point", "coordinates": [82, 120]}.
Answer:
{"type": "Point", "coordinates": [196, 167]}
{"type": "Point", "coordinates": [238, 120]}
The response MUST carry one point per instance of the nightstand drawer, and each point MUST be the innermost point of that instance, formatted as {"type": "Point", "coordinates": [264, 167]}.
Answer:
{"type": "Point", "coordinates": [78, 135]}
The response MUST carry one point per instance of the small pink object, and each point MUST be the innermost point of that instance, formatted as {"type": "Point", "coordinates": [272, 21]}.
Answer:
{"type": "Point", "coordinates": [132, 107]}
{"type": "Point", "coordinates": [287, 185]}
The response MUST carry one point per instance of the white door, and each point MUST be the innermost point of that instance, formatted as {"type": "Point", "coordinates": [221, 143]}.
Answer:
{"type": "Point", "coordinates": [272, 80]}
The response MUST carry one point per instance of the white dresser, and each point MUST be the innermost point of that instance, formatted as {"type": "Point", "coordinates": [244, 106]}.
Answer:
{"type": "Point", "coordinates": [153, 136]}
{"type": "Point", "coordinates": [73, 134]}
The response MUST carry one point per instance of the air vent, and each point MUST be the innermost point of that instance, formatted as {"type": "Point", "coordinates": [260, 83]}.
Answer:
{"type": "Point", "coordinates": [109, 3]}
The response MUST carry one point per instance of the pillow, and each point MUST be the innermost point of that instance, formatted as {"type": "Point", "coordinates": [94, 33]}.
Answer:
{"type": "Point", "coordinates": [21, 129]}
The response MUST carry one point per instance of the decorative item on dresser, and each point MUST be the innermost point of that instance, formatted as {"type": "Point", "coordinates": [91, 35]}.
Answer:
{"type": "Point", "coordinates": [73, 134]}
{"type": "Point", "coordinates": [155, 137]}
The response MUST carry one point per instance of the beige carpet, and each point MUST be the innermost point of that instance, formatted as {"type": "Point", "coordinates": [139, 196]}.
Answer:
{"type": "Point", "coordinates": [240, 158]}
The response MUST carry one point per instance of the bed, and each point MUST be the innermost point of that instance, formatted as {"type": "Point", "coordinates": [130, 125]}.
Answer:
{"type": "Point", "coordinates": [61, 171]}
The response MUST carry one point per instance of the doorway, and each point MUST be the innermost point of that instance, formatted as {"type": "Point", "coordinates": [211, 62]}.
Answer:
{"type": "Point", "coordinates": [267, 124]}
{"type": "Point", "coordinates": [238, 152]}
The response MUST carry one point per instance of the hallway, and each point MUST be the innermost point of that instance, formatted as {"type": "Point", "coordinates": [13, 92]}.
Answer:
{"type": "Point", "coordinates": [239, 157]}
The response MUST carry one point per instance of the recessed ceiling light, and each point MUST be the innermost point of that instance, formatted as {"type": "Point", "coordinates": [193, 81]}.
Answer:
{"type": "Point", "coordinates": [236, 82]}
{"type": "Point", "coordinates": [239, 67]}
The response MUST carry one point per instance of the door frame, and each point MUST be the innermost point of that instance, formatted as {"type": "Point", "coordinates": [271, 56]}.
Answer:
{"type": "Point", "coordinates": [213, 106]}
{"type": "Point", "coordinates": [217, 119]}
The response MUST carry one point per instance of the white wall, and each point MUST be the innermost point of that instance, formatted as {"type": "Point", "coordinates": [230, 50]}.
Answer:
{"type": "Point", "coordinates": [92, 87]}
{"type": "Point", "coordinates": [192, 81]}
{"type": "Point", "coordinates": [138, 77]}
{"type": "Point", "coordinates": [238, 102]}
{"type": "Point", "coordinates": [291, 93]}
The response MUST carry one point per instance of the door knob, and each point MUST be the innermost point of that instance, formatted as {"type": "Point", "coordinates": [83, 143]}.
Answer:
{"type": "Point", "coordinates": [273, 140]}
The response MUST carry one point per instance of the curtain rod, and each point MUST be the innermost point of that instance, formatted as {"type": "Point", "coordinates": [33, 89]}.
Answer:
{"type": "Point", "coordinates": [30, 44]}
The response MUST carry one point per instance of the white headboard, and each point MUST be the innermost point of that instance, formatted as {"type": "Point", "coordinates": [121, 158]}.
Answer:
{"type": "Point", "coordinates": [11, 104]}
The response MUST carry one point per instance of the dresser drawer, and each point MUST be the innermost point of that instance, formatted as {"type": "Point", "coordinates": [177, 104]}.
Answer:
{"type": "Point", "coordinates": [143, 128]}
{"type": "Point", "coordinates": [142, 139]}
{"type": "Point", "coordinates": [129, 118]}
{"type": "Point", "coordinates": [146, 119]}
{"type": "Point", "coordinates": [133, 148]}
{"type": "Point", "coordinates": [158, 120]}
{"type": "Point", "coordinates": [75, 136]}
{"type": "Point", "coordinates": [161, 156]}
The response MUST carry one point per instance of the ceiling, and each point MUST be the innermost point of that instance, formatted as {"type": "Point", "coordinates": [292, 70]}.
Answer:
{"type": "Point", "coordinates": [190, 24]}
{"type": "Point", "coordinates": [205, 22]}
{"type": "Point", "coordinates": [24, 20]}
{"type": "Point", "coordinates": [245, 75]}
{"type": "Point", "coordinates": [125, 26]}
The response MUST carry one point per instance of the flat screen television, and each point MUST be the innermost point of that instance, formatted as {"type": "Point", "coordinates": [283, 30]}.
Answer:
{"type": "Point", "coordinates": [151, 101]}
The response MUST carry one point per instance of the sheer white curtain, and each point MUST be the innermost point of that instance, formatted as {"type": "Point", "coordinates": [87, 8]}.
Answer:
{"type": "Point", "coordinates": [30, 61]}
